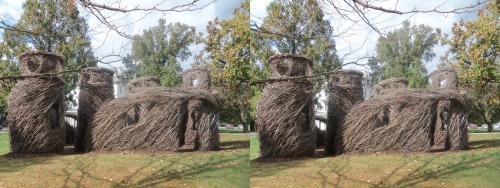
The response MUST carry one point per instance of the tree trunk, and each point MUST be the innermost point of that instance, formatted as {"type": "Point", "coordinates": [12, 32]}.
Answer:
{"type": "Point", "coordinates": [490, 127]}
{"type": "Point", "coordinates": [242, 122]}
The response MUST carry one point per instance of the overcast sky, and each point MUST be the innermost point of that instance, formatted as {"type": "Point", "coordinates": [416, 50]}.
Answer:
{"type": "Point", "coordinates": [105, 42]}
{"type": "Point", "coordinates": [352, 45]}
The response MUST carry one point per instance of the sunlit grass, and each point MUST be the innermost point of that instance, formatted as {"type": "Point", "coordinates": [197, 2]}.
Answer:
{"type": "Point", "coordinates": [478, 167]}
{"type": "Point", "coordinates": [229, 168]}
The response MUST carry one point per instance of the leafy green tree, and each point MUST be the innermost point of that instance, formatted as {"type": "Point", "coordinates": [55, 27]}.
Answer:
{"type": "Point", "coordinates": [159, 50]}
{"type": "Point", "coordinates": [375, 75]}
{"type": "Point", "coordinates": [475, 52]}
{"type": "Point", "coordinates": [404, 51]}
{"type": "Point", "coordinates": [228, 47]}
{"type": "Point", "coordinates": [298, 27]}
{"type": "Point", "coordinates": [54, 26]}
{"type": "Point", "coordinates": [130, 68]}
{"type": "Point", "coordinates": [7, 68]}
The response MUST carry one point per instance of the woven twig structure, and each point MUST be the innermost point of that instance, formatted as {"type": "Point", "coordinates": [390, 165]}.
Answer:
{"type": "Point", "coordinates": [96, 87]}
{"type": "Point", "coordinates": [404, 121]}
{"type": "Point", "coordinates": [285, 121]}
{"type": "Point", "coordinates": [140, 83]}
{"type": "Point", "coordinates": [345, 90]}
{"type": "Point", "coordinates": [444, 78]}
{"type": "Point", "coordinates": [36, 105]}
{"type": "Point", "coordinates": [387, 85]}
{"type": "Point", "coordinates": [154, 119]}
{"type": "Point", "coordinates": [197, 77]}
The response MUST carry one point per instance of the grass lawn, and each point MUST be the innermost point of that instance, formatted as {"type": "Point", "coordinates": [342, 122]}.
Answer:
{"type": "Point", "coordinates": [224, 130]}
{"type": "Point", "coordinates": [229, 167]}
{"type": "Point", "coordinates": [478, 167]}
{"type": "Point", "coordinates": [482, 131]}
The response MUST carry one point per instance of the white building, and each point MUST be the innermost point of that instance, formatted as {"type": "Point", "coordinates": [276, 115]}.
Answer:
{"type": "Point", "coordinates": [322, 107]}
{"type": "Point", "coordinates": [119, 89]}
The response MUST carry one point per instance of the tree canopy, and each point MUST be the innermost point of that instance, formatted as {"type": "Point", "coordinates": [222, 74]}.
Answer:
{"type": "Point", "coordinates": [54, 26]}
{"type": "Point", "coordinates": [403, 54]}
{"type": "Point", "coordinates": [159, 50]}
{"type": "Point", "coordinates": [228, 48]}
{"type": "Point", "coordinates": [298, 27]}
{"type": "Point", "coordinates": [475, 52]}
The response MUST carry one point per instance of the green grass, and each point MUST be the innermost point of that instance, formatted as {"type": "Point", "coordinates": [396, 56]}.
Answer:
{"type": "Point", "coordinates": [478, 167]}
{"type": "Point", "coordinates": [224, 130]}
{"type": "Point", "coordinates": [229, 167]}
{"type": "Point", "coordinates": [481, 131]}
{"type": "Point", "coordinates": [4, 143]}
{"type": "Point", "coordinates": [254, 147]}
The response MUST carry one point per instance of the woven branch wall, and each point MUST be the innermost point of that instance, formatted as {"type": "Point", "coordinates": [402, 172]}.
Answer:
{"type": "Point", "coordinates": [198, 77]}
{"type": "Point", "coordinates": [285, 121]}
{"type": "Point", "coordinates": [201, 128]}
{"type": "Point", "coordinates": [96, 87]}
{"type": "Point", "coordinates": [444, 78]}
{"type": "Point", "coordinates": [345, 90]}
{"type": "Point", "coordinates": [138, 84]}
{"type": "Point", "coordinates": [387, 85]}
{"type": "Point", "coordinates": [154, 119]}
{"type": "Point", "coordinates": [404, 121]}
{"type": "Point", "coordinates": [36, 106]}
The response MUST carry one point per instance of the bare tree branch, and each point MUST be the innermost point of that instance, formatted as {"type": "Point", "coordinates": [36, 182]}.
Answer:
{"type": "Point", "coordinates": [190, 6]}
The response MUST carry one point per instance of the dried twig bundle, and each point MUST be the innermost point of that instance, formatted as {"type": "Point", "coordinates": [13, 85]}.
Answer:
{"type": "Point", "coordinates": [345, 90]}
{"type": "Point", "coordinates": [137, 84]}
{"type": "Point", "coordinates": [404, 121]}
{"type": "Point", "coordinates": [387, 85]}
{"type": "Point", "coordinates": [96, 87]}
{"type": "Point", "coordinates": [444, 77]}
{"type": "Point", "coordinates": [285, 123]}
{"type": "Point", "coordinates": [155, 119]}
{"type": "Point", "coordinates": [36, 106]}
{"type": "Point", "coordinates": [198, 77]}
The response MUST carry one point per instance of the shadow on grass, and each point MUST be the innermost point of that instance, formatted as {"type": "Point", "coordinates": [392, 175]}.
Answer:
{"type": "Point", "coordinates": [12, 162]}
{"type": "Point", "coordinates": [173, 168]}
{"type": "Point", "coordinates": [268, 166]}
{"type": "Point", "coordinates": [84, 168]}
{"type": "Point", "coordinates": [231, 145]}
{"type": "Point", "coordinates": [482, 144]}
{"type": "Point", "coordinates": [447, 168]}
{"type": "Point", "coordinates": [9, 164]}
{"type": "Point", "coordinates": [434, 167]}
